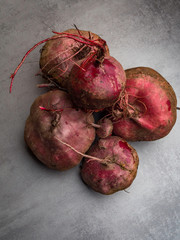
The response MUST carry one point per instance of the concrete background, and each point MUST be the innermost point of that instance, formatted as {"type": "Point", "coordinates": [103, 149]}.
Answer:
{"type": "Point", "coordinates": [38, 203]}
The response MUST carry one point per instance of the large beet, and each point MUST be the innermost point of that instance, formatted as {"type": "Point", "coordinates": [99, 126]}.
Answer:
{"type": "Point", "coordinates": [116, 168]}
{"type": "Point", "coordinates": [64, 50]}
{"type": "Point", "coordinates": [99, 85]}
{"type": "Point", "coordinates": [58, 56]}
{"type": "Point", "coordinates": [150, 110]}
{"type": "Point", "coordinates": [51, 118]}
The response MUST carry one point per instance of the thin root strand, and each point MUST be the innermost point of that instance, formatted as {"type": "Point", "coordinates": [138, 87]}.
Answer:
{"type": "Point", "coordinates": [82, 154]}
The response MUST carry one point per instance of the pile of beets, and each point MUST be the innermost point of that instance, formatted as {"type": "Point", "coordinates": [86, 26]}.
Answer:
{"type": "Point", "coordinates": [84, 82]}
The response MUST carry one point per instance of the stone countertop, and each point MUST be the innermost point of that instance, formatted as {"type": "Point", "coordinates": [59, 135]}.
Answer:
{"type": "Point", "coordinates": [39, 203]}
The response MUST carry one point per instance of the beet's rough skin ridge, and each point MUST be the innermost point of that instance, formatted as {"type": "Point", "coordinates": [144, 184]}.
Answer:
{"type": "Point", "coordinates": [57, 50]}
{"type": "Point", "coordinates": [116, 175]}
{"type": "Point", "coordinates": [43, 127]}
{"type": "Point", "coordinates": [98, 86]}
{"type": "Point", "coordinates": [154, 102]}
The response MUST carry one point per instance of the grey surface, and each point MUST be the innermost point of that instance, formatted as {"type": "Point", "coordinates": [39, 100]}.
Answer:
{"type": "Point", "coordinates": [38, 203]}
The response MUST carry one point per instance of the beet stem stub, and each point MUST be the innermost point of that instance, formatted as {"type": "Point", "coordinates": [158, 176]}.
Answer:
{"type": "Point", "coordinates": [77, 29]}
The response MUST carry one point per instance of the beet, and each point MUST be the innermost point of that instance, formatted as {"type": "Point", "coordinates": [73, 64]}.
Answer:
{"type": "Point", "coordinates": [117, 169]}
{"type": "Point", "coordinates": [99, 85]}
{"type": "Point", "coordinates": [53, 117]}
{"type": "Point", "coordinates": [64, 50]}
{"type": "Point", "coordinates": [60, 55]}
{"type": "Point", "coordinates": [149, 111]}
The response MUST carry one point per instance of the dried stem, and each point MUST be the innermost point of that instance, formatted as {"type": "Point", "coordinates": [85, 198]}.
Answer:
{"type": "Point", "coordinates": [77, 29]}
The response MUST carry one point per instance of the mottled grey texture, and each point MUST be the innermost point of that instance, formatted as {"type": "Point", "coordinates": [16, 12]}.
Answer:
{"type": "Point", "coordinates": [38, 203]}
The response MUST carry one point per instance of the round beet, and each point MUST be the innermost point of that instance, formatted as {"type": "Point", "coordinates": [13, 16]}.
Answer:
{"type": "Point", "coordinates": [117, 169]}
{"type": "Point", "coordinates": [97, 86]}
{"type": "Point", "coordinates": [59, 55]}
{"type": "Point", "coordinates": [53, 117]}
{"type": "Point", "coordinates": [149, 112]}
{"type": "Point", "coordinates": [64, 50]}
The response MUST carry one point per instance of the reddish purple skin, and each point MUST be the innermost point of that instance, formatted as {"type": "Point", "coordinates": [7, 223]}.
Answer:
{"type": "Point", "coordinates": [116, 175]}
{"type": "Point", "coordinates": [155, 104]}
{"type": "Point", "coordinates": [56, 51]}
{"type": "Point", "coordinates": [98, 86]}
{"type": "Point", "coordinates": [42, 127]}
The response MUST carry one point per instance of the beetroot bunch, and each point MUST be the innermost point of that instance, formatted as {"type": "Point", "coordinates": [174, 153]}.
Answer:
{"type": "Point", "coordinates": [137, 105]}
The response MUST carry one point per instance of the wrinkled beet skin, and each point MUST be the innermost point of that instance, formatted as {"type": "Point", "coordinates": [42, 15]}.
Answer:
{"type": "Point", "coordinates": [155, 94]}
{"type": "Point", "coordinates": [99, 86]}
{"type": "Point", "coordinates": [53, 50]}
{"type": "Point", "coordinates": [70, 126]}
{"type": "Point", "coordinates": [115, 176]}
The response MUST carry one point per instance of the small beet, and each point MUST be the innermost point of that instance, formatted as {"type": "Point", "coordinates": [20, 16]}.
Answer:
{"type": "Point", "coordinates": [117, 169]}
{"type": "Point", "coordinates": [53, 117]}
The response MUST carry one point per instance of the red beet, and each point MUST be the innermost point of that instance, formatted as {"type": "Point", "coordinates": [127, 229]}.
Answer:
{"type": "Point", "coordinates": [117, 169]}
{"type": "Point", "coordinates": [149, 111]}
{"type": "Point", "coordinates": [64, 50]}
{"type": "Point", "coordinates": [99, 85]}
{"type": "Point", "coordinates": [51, 118]}
{"type": "Point", "coordinates": [60, 55]}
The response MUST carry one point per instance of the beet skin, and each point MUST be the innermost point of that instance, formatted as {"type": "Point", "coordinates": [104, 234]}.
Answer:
{"type": "Point", "coordinates": [118, 169]}
{"type": "Point", "coordinates": [53, 117]}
